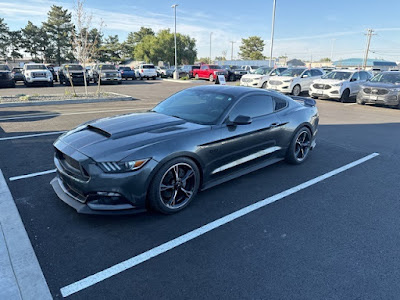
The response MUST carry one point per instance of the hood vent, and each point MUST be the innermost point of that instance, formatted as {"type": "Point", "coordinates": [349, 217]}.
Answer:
{"type": "Point", "coordinates": [98, 130]}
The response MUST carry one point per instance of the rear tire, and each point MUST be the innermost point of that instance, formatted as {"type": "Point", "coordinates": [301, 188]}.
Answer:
{"type": "Point", "coordinates": [211, 78]}
{"type": "Point", "coordinates": [299, 147]}
{"type": "Point", "coordinates": [196, 76]}
{"type": "Point", "coordinates": [232, 77]}
{"type": "Point", "coordinates": [174, 185]}
{"type": "Point", "coordinates": [50, 84]}
{"type": "Point", "coordinates": [154, 77]}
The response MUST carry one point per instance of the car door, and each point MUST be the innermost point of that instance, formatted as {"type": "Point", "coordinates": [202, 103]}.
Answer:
{"type": "Point", "coordinates": [315, 74]}
{"type": "Point", "coordinates": [203, 71]}
{"type": "Point", "coordinates": [241, 146]}
{"type": "Point", "coordinates": [306, 80]}
{"type": "Point", "coordinates": [354, 83]}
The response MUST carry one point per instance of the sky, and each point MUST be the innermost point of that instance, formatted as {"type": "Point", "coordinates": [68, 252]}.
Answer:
{"type": "Point", "coordinates": [304, 29]}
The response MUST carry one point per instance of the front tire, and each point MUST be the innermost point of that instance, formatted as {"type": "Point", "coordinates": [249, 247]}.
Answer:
{"type": "Point", "coordinates": [211, 78]}
{"type": "Point", "coordinates": [300, 146]}
{"type": "Point", "coordinates": [296, 90]}
{"type": "Point", "coordinates": [174, 186]}
{"type": "Point", "coordinates": [196, 76]}
{"type": "Point", "coordinates": [345, 96]}
{"type": "Point", "coordinates": [264, 85]}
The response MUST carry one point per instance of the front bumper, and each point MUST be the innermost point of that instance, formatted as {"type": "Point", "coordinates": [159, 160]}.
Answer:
{"type": "Point", "coordinates": [388, 99]}
{"type": "Point", "coordinates": [38, 79]}
{"type": "Point", "coordinates": [90, 190]}
{"type": "Point", "coordinates": [332, 93]}
{"type": "Point", "coordinates": [253, 83]}
{"type": "Point", "coordinates": [283, 88]}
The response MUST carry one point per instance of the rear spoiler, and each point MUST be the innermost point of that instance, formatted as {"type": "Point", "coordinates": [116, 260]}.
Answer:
{"type": "Point", "coordinates": [305, 101]}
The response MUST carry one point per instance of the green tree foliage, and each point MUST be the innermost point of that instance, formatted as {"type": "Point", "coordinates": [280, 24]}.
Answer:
{"type": "Point", "coordinates": [138, 36]}
{"type": "Point", "coordinates": [205, 60]}
{"type": "Point", "coordinates": [4, 39]}
{"type": "Point", "coordinates": [326, 59]}
{"type": "Point", "coordinates": [36, 42]}
{"type": "Point", "coordinates": [15, 38]}
{"type": "Point", "coordinates": [110, 51]}
{"type": "Point", "coordinates": [252, 48]}
{"type": "Point", "coordinates": [59, 29]}
{"type": "Point", "coordinates": [160, 47]}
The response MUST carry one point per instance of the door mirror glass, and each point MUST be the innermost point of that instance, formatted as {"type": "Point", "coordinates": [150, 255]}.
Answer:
{"type": "Point", "coordinates": [242, 120]}
{"type": "Point", "coordinates": [304, 76]}
{"type": "Point", "coordinates": [353, 79]}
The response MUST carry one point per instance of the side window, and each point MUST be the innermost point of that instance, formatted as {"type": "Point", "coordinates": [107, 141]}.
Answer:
{"type": "Point", "coordinates": [308, 73]}
{"type": "Point", "coordinates": [279, 103]}
{"type": "Point", "coordinates": [204, 67]}
{"type": "Point", "coordinates": [355, 76]}
{"type": "Point", "coordinates": [253, 106]}
{"type": "Point", "coordinates": [316, 72]}
{"type": "Point", "coordinates": [364, 76]}
{"type": "Point", "coordinates": [273, 73]}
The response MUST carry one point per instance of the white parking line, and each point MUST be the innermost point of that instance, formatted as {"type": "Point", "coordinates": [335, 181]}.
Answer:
{"type": "Point", "coordinates": [348, 104]}
{"type": "Point", "coordinates": [134, 261]}
{"type": "Point", "coordinates": [30, 135]}
{"type": "Point", "coordinates": [31, 175]}
{"type": "Point", "coordinates": [68, 114]}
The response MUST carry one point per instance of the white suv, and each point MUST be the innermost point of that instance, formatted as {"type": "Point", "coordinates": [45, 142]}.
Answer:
{"type": "Point", "coordinates": [339, 84]}
{"type": "Point", "coordinates": [37, 74]}
{"type": "Point", "coordinates": [260, 77]}
{"type": "Point", "coordinates": [294, 80]}
{"type": "Point", "coordinates": [146, 71]}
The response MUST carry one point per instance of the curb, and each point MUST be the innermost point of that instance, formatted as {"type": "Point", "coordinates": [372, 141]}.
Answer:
{"type": "Point", "coordinates": [21, 275]}
{"type": "Point", "coordinates": [68, 101]}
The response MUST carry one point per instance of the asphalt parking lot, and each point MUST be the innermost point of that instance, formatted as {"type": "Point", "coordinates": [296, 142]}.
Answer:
{"type": "Point", "coordinates": [335, 239]}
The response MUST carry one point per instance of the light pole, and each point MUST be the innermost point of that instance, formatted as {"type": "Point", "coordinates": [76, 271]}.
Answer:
{"type": "Point", "coordinates": [176, 74]}
{"type": "Point", "coordinates": [210, 47]}
{"type": "Point", "coordinates": [272, 33]}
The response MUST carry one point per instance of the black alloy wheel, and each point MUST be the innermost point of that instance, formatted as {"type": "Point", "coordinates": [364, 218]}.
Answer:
{"type": "Point", "coordinates": [174, 185]}
{"type": "Point", "coordinates": [300, 146]}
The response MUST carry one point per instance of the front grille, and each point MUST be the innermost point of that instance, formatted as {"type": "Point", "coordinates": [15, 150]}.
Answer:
{"type": "Point", "coordinates": [77, 75]}
{"type": "Point", "coordinates": [380, 91]}
{"type": "Point", "coordinates": [321, 86]}
{"type": "Point", "coordinates": [72, 167]}
{"type": "Point", "coordinates": [247, 80]}
{"type": "Point", "coordinates": [109, 75]}
{"type": "Point", "coordinates": [275, 82]}
{"type": "Point", "coordinates": [38, 74]}
{"type": "Point", "coordinates": [74, 193]}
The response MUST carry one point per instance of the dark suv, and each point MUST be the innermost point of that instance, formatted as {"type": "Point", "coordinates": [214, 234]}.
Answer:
{"type": "Point", "coordinates": [74, 73]}
{"type": "Point", "coordinates": [6, 78]}
{"type": "Point", "coordinates": [189, 69]}
{"type": "Point", "coordinates": [17, 74]}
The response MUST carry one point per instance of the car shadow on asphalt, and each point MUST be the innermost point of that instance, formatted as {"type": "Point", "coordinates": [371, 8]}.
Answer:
{"type": "Point", "coordinates": [26, 116]}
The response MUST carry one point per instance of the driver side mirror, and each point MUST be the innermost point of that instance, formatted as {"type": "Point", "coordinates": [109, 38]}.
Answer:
{"type": "Point", "coordinates": [353, 79]}
{"type": "Point", "coordinates": [304, 76]}
{"type": "Point", "coordinates": [240, 120]}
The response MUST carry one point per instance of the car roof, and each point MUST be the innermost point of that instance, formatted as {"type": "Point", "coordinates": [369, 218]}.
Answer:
{"type": "Point", "coordinates": [236, 91]}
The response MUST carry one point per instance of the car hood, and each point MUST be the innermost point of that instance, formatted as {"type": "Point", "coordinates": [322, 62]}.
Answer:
{"type": "Point", "coordinates": [255, 76]}
{"type": "Point", "coordinates": [328, 81]}
{"type": "Point", "coordinates": [114, 138]}
{"type": "Point", "coordinates": [381, 85]}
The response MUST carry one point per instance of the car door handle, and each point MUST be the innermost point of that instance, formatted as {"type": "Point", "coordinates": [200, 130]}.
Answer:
{"type": "Point", "coordinates": [274, 125]}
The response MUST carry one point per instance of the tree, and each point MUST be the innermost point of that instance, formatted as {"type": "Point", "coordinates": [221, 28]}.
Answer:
{"type": "Point", "coordinates": [59, 29]}
{"type": "Point", "coordinates": [128, 46]}
{"type": "Point", "coordinates": [15, 38]}
{"type": "Point", "coordinates": [137, 37]}
{"type": "Point", "coordinates": [110, 50]}
{"type": "Point", "coordinates": [36, 42]}
{"type": "Point", "coordinates": [161, 48]}
{"type": "Point", "coordinates": [296, 63]}
{"type": "Point", "coordinates": [252, 48]}
{"type": "Point", "coordinates": [4, 39]}
{"type": "Point", "coordinates": [326, 59]}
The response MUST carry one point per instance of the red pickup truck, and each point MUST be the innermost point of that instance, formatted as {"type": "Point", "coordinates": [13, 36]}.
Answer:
{"type": "Point", "coordinates": [209, 72]}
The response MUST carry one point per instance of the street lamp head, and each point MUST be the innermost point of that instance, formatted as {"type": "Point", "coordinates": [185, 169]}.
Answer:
{"type": "Point", "coordinates": [175, 5]}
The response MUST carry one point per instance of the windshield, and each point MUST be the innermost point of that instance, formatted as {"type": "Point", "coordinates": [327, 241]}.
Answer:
{"type": "Point", "coordinates": [108, 67]}
{"type": "Point", "coordinates": [125, 69]}
{"type": "Point", "coordinates": [254, 67]}
{"type": "Point", "coordinates": [75, 67]}
{"type": "Point", "coordinates": [215, 67]}
{"type": "Point", "coordinates": [17, 70]}
{"type": "Point", "coordinates": [4, 68]}
{"type": "Point", "coordinates": [148, 67]}
{"type": "Point", "coordinates": [337, 75]}
{"type": "Point", "coordinates": [36, 67]}
{"type": "Point", "coordinates": [197, 106]}
{"type": "Point", "coordinates": [292, 72]}
{"type": "Point", "coordinates": [262, 71]}
{"type": "Point", "coordinates": [393, 78]}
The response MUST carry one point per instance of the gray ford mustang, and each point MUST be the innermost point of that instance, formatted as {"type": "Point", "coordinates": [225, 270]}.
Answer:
{"type": "Point", "coordinates": [193, 140]}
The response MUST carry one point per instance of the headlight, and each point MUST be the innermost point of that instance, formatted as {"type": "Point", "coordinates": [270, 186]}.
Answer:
{"type": "Point", "coordinates": [103, 74]}
{"type": "Point", "coordinates": [121, 166]}
{"type": "Point", "coordinates": [290, 80]}
{"type": "Point", "coordinates": [337, 84]}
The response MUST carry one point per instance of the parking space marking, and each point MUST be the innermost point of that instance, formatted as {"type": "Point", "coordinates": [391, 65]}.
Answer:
{"type": "Point", "coordinates": [31, 175]}
{"type": "Point", "coordinates": [348, 104]}
{"type": "Point", "coordinates": [69, 114]}
{"type": "Point", "coordinates": [145, 256]}
{"type": "Point", "coordinates": [30, 135]}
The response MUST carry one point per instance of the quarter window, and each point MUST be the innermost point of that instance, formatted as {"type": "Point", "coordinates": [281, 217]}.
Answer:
{"type": "Point", "coordinates": [279, 103]}
{"type": "Point", "coordinates": [253, 106]}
